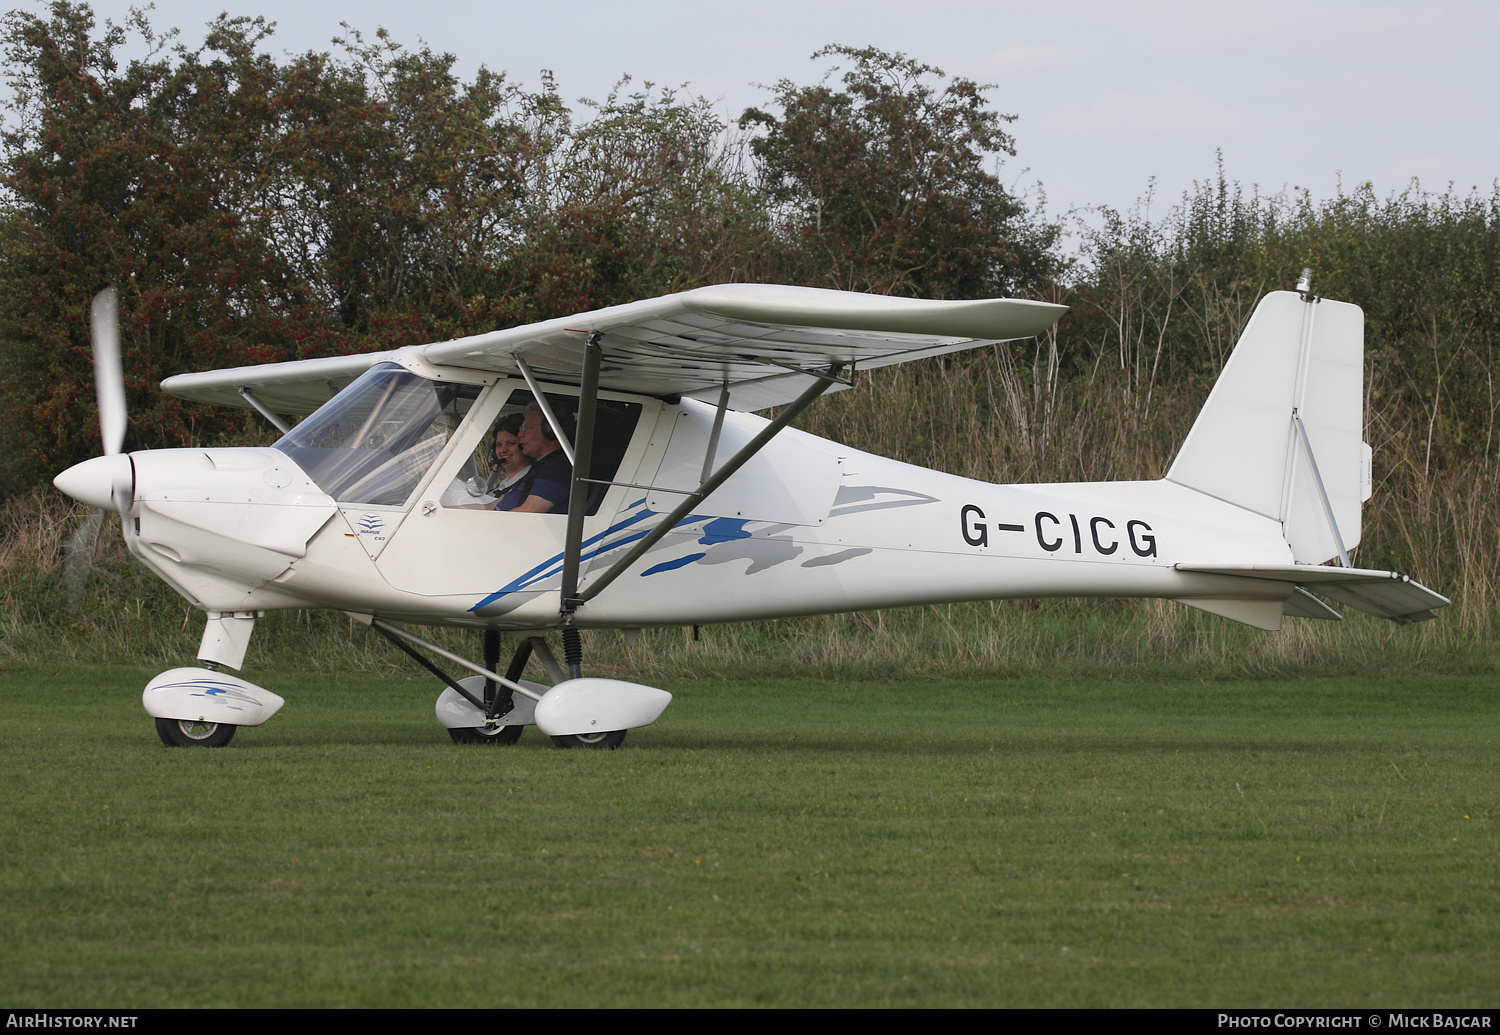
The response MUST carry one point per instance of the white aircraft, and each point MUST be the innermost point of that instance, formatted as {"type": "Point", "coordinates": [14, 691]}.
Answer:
{"type": "Point", "coordinates": [657, 499]}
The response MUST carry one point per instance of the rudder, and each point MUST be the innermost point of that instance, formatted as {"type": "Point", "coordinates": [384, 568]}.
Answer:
{"type": "Point", "coordinates": [1300, 362]}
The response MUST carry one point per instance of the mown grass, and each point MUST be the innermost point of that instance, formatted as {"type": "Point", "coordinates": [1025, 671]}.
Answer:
{"type": "Point", "coordinates": [1039, 840]}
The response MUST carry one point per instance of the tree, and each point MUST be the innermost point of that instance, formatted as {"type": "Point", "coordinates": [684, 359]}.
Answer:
{"type": "Point", "coordinates": [886, 185]}
{"type": "Point", "coordinates": [645, 197]}
{"type": "Point", "coordinates": [252, 209]}
{"type": "Point", "coordinates": [155, 177]}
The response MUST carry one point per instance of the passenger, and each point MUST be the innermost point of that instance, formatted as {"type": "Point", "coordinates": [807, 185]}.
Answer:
{"type": "Point", "coordinates": [511, 466]}
{"type": "Point", "coordinates": [513, 463]}
{"type": "Point", "coordinates": [545, 488]}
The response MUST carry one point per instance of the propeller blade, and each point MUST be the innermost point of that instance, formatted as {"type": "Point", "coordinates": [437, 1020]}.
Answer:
{"type": "Point", "coordinates": [78, 555]}
{"type": "Point", "coordinates": [109, 375]}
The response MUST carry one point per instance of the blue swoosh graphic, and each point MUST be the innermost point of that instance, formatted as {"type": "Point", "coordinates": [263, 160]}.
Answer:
{"type": "Point", "coordinates": [672, 565]}
{"type": "Point", "coordinates": [722, 530]}
{"type": "Point", "coordinates": [553, 565]}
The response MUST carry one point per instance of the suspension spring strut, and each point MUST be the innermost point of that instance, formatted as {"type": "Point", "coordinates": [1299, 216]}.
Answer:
{"type": "Point", "coordinates": [572, 651]}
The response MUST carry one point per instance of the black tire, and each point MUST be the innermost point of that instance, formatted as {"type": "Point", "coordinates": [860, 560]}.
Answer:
{"type": "Point", "coordinates": [596, 741]}
{"type": "Point", "coordinates": [499, 737]}
{"type": "Point", "coordinates": [182, 733]}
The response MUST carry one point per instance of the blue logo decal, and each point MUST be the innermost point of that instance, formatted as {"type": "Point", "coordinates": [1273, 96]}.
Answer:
{"type": "Point", "coordinates": [211, 689]}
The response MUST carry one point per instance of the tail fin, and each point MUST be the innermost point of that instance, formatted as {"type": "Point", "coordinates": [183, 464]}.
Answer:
{"type": "Point", "coordinates": [1282, 431]}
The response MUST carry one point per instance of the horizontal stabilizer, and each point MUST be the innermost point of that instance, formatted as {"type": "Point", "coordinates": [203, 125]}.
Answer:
{"type": "Point", "coordinates": [1384, 594]}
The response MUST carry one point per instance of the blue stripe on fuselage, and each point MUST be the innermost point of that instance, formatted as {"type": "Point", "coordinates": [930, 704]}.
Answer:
{"type": "Point", "coordinates": [553, 565]}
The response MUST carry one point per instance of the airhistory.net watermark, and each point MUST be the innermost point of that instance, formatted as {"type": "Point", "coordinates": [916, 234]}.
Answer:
{"type": "Point", "coordinates": [68, 1019]}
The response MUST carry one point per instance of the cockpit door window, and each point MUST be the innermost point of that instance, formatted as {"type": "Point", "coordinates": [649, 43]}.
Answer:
{"type": "Point", "coordinates": [374, 442]}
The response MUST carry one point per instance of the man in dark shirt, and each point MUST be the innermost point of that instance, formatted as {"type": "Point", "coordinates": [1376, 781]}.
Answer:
{"type": "Point", "coordinates": [545, 489]}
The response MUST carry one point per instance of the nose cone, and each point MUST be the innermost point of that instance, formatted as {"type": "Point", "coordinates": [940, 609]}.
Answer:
{"type": "Point", "coordinates": [100, 481]}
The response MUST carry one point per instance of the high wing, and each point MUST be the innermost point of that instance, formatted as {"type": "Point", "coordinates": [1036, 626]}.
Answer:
{"type": "Point", "coordinates": [758, 339]}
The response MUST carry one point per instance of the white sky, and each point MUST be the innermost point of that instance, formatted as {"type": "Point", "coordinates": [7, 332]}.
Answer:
{"type": "Point", "coordinates": [1108, 94]}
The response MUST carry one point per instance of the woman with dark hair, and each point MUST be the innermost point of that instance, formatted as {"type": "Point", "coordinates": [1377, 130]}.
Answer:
{"type": "Point", "coordinates": [511, 463]}
{"type": "Point", "coordinates": [511, 466]}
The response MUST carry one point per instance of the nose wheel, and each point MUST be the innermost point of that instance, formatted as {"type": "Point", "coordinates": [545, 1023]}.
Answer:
{"type": "Point", "coordinates": [177, 733]}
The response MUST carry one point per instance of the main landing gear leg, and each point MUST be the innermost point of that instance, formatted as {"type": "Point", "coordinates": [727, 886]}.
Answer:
{"type": "Point", "coordinates": [588, 713]}
{"type": "Point", "coordinates": [573, 655]}
{"type": "Point", "coordinates": [497, 697]}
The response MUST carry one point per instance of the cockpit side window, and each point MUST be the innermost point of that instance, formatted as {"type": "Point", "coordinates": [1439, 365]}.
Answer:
{"type": "Point", "coordinates": [375, 441]}
{"type": "Point", "coordinates": [500, 475]}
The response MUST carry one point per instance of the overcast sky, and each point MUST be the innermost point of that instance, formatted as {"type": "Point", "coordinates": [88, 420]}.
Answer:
{"type": "Point", "coordinates": [1108, 94]}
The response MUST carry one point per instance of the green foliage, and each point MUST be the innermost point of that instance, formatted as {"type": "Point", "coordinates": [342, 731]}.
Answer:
{"type": "Point", "coordinates": [255, 209]}
{"type": "Point", "coordinates": [119, 175]}
{"type": "Point", "coordinates": [645, 198]}
{"type": "Point", "coordinates": [1165, 302]}
{"type": "Point", "coordinates": [1158, 305]}
{"type": "Point", "coordinates": [884, 187]}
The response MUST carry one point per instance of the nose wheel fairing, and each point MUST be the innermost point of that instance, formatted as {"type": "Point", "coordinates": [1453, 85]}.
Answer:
{"type": "Point", "coordinates": [203, 695]}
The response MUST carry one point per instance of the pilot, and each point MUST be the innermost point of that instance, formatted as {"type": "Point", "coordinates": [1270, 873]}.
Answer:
{"type": "Point", "coordinates": [544, 489]}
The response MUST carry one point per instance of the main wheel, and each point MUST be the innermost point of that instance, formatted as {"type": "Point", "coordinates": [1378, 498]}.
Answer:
{"type": "Point", "coordinates": [181, 733]}
{"type": "Point", "coordinates": [500, 736]}
{"type": "Point", "coordinates": [597, 741]}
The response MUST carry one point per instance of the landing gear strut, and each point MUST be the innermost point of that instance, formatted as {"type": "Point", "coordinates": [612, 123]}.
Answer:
{"type": "Point", "coordinates": [575, 711]}
{"type": "Point", "coordinates": [498, 700]}
{"type": "Point", "coordinates": [573, 658]}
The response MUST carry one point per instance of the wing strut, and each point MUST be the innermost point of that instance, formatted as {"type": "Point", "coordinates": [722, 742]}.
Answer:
{"type": "Point", "coordinates": [713, 438]}
{"type": "Point", "coordinates": [265, 412]}
{"type": "Point", "coordinates": [546, 408]}
{"type": "Point", "coordinates": [698, 495]}
{"type": "Point", "coordinates": [588, 403]}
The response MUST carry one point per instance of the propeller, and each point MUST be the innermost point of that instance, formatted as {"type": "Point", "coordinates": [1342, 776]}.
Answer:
{"type": "Point", "coordinates": [107, 480]}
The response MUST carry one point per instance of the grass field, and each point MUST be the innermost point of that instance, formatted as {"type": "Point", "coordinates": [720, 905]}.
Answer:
{"type": "Point", "coordinates": [1022, 842]}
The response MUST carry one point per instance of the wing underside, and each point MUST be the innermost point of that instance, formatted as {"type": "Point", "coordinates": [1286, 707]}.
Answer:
{"type": "Point", "coordinates": [759, 340]}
